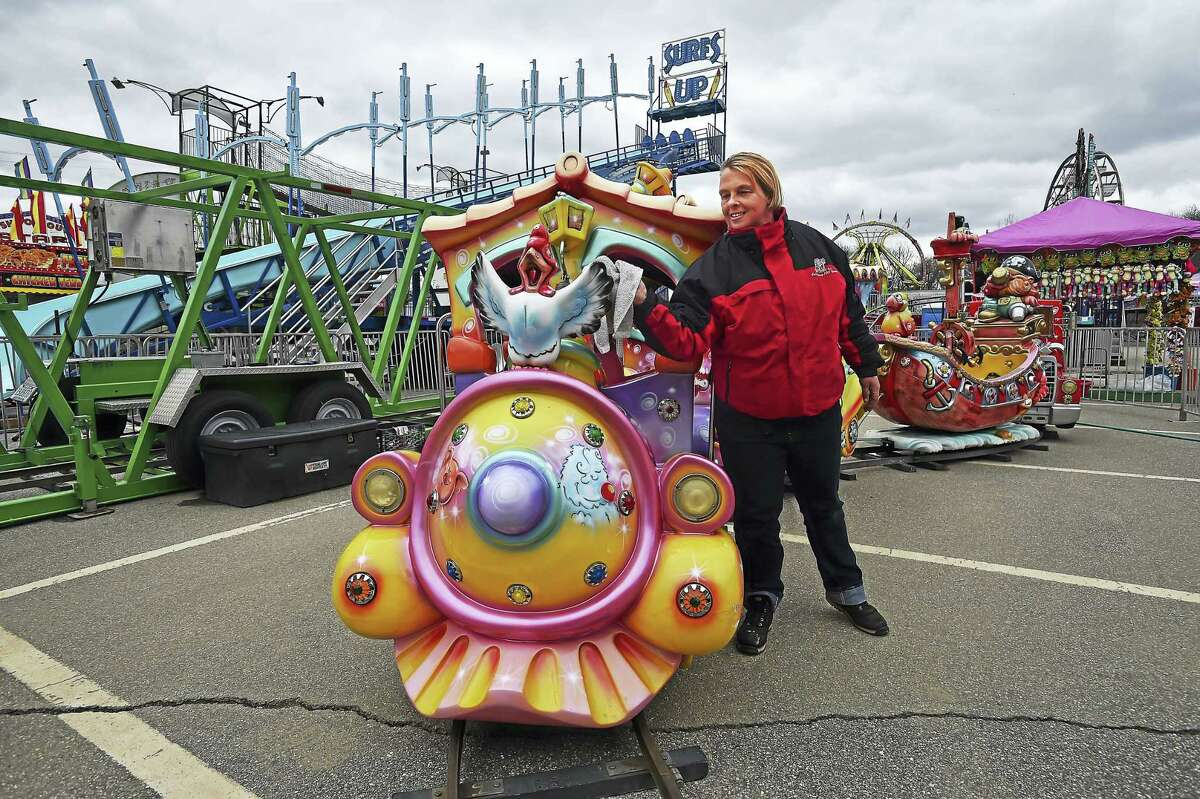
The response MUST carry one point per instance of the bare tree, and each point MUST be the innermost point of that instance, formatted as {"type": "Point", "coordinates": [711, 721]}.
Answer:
{"type": "Point", "coordinates": [1191, 212]}
{"type": "Point", "coordinates": [903, 253]}
{"type": "Point", "coordinates": [929, 272]}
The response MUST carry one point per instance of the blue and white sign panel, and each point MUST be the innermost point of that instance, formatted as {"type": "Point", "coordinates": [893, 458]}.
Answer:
{"type": "Point", "coordinates": [694, 52]}
{"type": "Point", "coordinates": [693, 77]}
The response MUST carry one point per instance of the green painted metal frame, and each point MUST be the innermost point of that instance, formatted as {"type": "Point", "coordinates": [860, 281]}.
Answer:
{"type": "Point", "coordinates": [335, 277]}
{"type": "Point", "coordinates": [93, 484]}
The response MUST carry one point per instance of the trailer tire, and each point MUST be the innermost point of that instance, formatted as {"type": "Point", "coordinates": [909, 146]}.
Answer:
{"type": "Point", "coordinates": [218, 411]}
{"type": "Point", "coordinates": [108, 424]}
{"type": "Point", "coordinates": [329, 399]}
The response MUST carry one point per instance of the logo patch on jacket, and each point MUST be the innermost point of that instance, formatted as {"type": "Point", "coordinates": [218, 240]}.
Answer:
{"type": "Point", "coordinates": [819, 268]}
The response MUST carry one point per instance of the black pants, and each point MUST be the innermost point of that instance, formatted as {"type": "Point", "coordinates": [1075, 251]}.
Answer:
{"type": "Point", "coordinates": [756, 453]}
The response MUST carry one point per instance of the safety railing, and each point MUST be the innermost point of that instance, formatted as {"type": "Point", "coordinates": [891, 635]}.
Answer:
{"type": "Point", "coordinates": [1152, 366]}
{"type": "Point", "coordinates": [1189, 388]}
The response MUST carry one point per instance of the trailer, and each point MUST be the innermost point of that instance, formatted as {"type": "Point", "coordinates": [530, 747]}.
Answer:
{"type": "Point", "coordinates": [99, 430]}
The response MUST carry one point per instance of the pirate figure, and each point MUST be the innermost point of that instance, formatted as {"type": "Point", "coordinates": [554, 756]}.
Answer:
{"type": "Point", "coordinates": [1010, 291]}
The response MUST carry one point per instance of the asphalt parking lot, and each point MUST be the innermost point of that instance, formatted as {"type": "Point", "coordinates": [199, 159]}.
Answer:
{"type": "Point", "coordinates": [1045, 642]}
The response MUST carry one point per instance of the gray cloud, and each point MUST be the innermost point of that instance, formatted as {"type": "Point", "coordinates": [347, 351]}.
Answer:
{"type": "Point", "coordinates": [911, 107]}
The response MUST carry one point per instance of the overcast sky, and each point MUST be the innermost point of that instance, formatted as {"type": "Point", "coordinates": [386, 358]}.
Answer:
{"type": "Point", "coordinates": [912, 108]}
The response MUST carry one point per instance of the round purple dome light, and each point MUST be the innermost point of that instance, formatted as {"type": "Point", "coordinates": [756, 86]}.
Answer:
{"type": "Point", "coordinates": [514, 498]}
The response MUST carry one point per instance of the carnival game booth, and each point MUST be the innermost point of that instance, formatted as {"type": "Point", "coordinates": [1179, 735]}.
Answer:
{"type": "Point", "coordinates": [39, 264]}
{"type": "Point", "coordinates": [557, 550]}
{"type": "Point", "coordinates": [1095, 256]}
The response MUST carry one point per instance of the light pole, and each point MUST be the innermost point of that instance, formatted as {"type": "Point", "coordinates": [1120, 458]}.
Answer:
{"type": "Point", "coordinates": [612, 74]}
{"type": "Point", "coordinates": [562, 110]}
{"type": "Point", "coordinates": [373, 133]}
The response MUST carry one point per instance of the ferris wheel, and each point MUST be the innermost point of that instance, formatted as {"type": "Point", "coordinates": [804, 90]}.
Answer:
{"type": "Point", "coordinates": [1087, 172]}
{"type": "Point", "coordinates": [874, 260]}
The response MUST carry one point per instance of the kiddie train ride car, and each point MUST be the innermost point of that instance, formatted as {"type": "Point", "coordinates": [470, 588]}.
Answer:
{"type": "Point", "coordinates": [557, 550]}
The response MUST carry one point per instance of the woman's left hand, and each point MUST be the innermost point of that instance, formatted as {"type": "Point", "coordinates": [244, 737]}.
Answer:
{"type": "Point", "coordinates": [870, 392]}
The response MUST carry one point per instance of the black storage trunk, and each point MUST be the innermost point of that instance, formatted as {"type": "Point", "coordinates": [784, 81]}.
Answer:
{"type": "Point", "coordinates": [251, 467]}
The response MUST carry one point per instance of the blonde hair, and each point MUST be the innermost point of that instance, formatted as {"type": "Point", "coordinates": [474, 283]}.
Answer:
{"type": "Point", "coordinates": [762, 172]}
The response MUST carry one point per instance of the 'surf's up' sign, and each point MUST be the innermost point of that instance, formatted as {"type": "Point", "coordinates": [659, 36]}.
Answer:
{"type": "Point", "coordinates": [706, 47]}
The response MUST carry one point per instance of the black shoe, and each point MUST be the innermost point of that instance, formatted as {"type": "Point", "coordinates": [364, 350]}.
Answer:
{"type": "Point", "coordinates": [865, 617]}
{"type": "Point", "coordinates": [752, 632]}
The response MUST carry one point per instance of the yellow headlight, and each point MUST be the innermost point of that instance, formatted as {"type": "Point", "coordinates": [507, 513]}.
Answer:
{"type": "Point", "coordinates": [384, 490]}
{"type": "Point", "coordinates": [697, 498]}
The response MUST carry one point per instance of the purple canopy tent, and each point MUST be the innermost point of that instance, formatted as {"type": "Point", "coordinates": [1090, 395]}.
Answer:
{"type": "Point", "coordinates": [1084, 224]}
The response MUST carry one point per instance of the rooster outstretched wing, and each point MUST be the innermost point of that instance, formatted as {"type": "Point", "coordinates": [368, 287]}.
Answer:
{"type": "Point", "coordinates": [584, 302]}
{"type": "Point", "coordinates": [490, 296]}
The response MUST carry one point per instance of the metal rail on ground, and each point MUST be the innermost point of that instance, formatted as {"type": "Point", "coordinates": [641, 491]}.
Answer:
{"type": "Point", "coordinates": [658, 770]}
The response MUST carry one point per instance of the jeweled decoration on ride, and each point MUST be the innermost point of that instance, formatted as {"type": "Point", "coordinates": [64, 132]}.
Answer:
{"type": "Point", "coordinates": [519, 594]}
{"type": "Point", "coordinates": [595, 574]}
{"type": "Point", "coordinates": [593, 435]}
{"type": "Point", "coordinates": [360, 588]}
{"type": "Point", "coordinates": [522, 407]}
{"type": "Point", "coordinates": [695, 600]}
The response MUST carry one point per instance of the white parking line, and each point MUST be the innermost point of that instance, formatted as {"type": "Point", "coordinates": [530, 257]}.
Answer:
{"type": "Point", "coordinates": [162, 765]}
{"type": "Point", "coordinates": [1087, 471]}
{"type": "Point", "coordinates": [158, 553]}
{"type": "Point", "coordinates": [1018, 571]}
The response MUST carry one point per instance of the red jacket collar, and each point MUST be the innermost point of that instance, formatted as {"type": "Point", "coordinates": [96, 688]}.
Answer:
{"type": "Point", "coordinates": [771, 231]}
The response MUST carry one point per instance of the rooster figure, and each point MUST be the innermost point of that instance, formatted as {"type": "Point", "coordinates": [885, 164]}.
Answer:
{"type": "Point", "coordinates": [899, 320]}
{"type": "Point", "coordinates": [536, 316]}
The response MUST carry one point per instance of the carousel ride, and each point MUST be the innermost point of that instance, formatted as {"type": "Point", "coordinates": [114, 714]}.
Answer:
{"type": "Point", "coordinates": [978, 374]}
{"type": "Point", "coordinates": [558, 549]}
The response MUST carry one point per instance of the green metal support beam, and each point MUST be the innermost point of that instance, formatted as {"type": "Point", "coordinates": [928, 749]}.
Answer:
{"type": "Point", "coordinates": [97, 144]}
{"type": "Point", "coordinates": [49, 395]}
{"type": "Point", "coordinates": [290, 257]}
{"type": "Point", "coordinates": [363, 216]}
{"type": "Point", "coordinates": [187, 322]}
{"type": "Point", "coordinates": [181, 290]}
{"type": "Point", "coordinates": [368, 231]}
{"type": "Point", "coordinates": [183, 187]}
{"type": "Point", "coordinates": [415, 325]}
{"type": "Point", "coordinates": [64, 351]}
{"type": "Point", "coordinates": [399, 297]}
{"type": "Point", "coordinates": [143, 475]}
{"type": "Point", "coordinates": [281, 293]}
{"type": "Point", "coordinates": [335, 276]}
{"type": "Point", "coordinates": [8, 181]}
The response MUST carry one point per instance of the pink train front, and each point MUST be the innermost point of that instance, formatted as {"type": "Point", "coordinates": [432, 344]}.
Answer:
{"type": "Point", "coordinates": [558, 549]}
{"type": "Point", "coordinates": [533, 564]}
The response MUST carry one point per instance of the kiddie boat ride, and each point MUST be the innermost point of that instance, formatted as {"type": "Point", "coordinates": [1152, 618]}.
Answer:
{"type": "Point", "coordinates": [977, 375]}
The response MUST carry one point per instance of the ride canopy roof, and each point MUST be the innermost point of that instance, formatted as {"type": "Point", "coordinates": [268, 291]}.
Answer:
{"type": "Point", "coordinates": [1084, 224]}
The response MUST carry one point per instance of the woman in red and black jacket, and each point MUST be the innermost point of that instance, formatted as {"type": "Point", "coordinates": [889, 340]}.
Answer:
{"type": "Point", "coordinates": [774, 300]}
